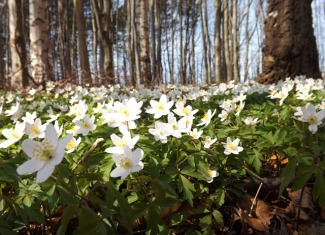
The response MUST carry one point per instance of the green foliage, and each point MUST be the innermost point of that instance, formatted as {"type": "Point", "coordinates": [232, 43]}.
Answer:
{"type": "Point", "coordinates": [175, 174]}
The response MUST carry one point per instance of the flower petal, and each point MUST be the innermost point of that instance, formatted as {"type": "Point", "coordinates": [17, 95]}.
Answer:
{"type": "Point", "coordinates": [51, 135]}
{"type": "Point", "coordinates": [6, 144]}
{"type": "Point", "coordinates": [44, 173]}
{"type": "Point", "coordinates": [60, 149]}
{"type": "Point", "coordinates": [30, 166]}
{"type": "Point", "coordinates": [120, 172]}
{"type": "Point", "coordinates": [28, 146]}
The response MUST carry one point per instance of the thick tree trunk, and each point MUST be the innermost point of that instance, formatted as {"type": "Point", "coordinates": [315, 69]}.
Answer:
{"type": "Point", "coordinates": [145, 68]}
{"type": "Point", "coordinates": [82, 43]}
{"type": "Point", "coordinates": [104, 30]}
{"type": "Point", "coordinates": [19, 74]}
{"type": "Point", "coordinates": [289, 45]}
{"type": "Point", "coordinates": [38, 31]}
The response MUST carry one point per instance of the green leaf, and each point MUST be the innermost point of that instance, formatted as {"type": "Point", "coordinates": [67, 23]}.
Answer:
{"type": "Point", "coordinates": [220, 196]}
{"type": "Point", "coordinates": [187, 187]}
{"type": "Point", "coordinates": [218, 217]}
{"type": "Point", "coordinates": [300, 181]}
{"type": "Point", "coordinates": [123, 205]}
{"type": "Point", "coordinates": [206, 223]}
{"type": "Point", "coordinates": [155, 223]}
{"type": "Point", "coordinates": [288, 174]}
{"type": "Point", "coordinates": [319, 188]}
{"type": "Point", "coordinates": [68, 213]}
{"type": "Point", "coordinates": [90, 223]}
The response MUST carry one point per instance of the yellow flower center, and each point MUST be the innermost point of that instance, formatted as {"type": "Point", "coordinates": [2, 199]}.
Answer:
{"type": "Point", "coordinates": [86, 125]}
{"type": "Point", "coordinates": [186, 111]}
{"type": "Point", "coordinates": [121, 143]}
{"type": "Point", "coordinates": [35, 130]}
{"type": "Point", "coordinates": [14, 135]}
{"type": "Point", "coordinates": [71, 144]}
{"type": "Point", "coordinates": [43, 152]}
{"type": "Point", "coordinates": [160, 107]}
{"type": "Point", "coordinates": [125, 111]}
{"type": "Point", "coordinates": [231, 146]}
{"type": "Point", "coordinates": [126, 163]}
{"type": "Point", "coordinates": [209, 173]}
{"type": "Point", "coordinates": [206, 117]}
{"type": "Point", "coordinates": [312, 120]}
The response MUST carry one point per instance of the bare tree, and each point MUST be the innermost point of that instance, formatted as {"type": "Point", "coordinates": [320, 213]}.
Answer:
{"type": "Point", "coordinates": [19, 73]}
{"type": "Point", "coordinates": [217, 41]}
{"type": "Point", "coordinates": [38, 34]}
{"type": "Point", "coordinates": [234, 42]}
{"type": "Point", "coordinates": [82, 43]}
{"type": "Point", "coordinates": [104, 29]}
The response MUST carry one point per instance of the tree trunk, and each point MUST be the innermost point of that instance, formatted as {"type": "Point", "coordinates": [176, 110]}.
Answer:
{"type": "Point", "coordinates": [289, 45]}
{"type": "Point", "coordinates": [104, 31]}
{"type": "Point", "coordinates": [19, 73]}
{"type": "Point", "coordinates": [145, 68]}
{"type": "Point", "coordinates": [229, 71]}
{"type": "Point", "coordinates": [234, 41]}
{"type": "Point", "coordinates": [38, 32]}
{"type": "Point", "coordinates": [82, 42]}
{"type": "Point", "coordinates": [217, 41]}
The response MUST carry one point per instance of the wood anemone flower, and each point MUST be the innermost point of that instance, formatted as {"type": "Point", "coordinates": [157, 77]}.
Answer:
{"type": "Point", "coordinates": [45, 155]}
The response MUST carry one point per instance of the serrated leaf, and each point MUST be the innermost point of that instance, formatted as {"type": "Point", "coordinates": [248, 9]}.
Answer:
{"type": "Point", "coordinates": [187, 187]}
{"type": "Point", "coordinates": [218, 217]}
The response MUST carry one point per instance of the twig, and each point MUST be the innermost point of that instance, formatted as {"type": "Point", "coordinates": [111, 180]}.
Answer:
{"type": "Point", "coordinates": [97, 142]}
{"type": "Point", "coordinates": [254, 201]}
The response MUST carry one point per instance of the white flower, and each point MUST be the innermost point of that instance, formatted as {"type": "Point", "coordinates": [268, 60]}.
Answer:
{"type": "Point", "coordinates": [30, 117]}
{"type": "Point", "coordinates": [127, 163]}
{"type": "Point", "coordinates": [208, 142]}
{"type": "Point", "coordinates": [223, 115]}
{"type": "Point", "coordinates": [161, 107]}
{"type": "Point", "coordinates": [231, 147]}
{"type": "Point", "coordinates": [36, 129]}
{"type": "Point", "coordinates": [13, 134]}
{"type": "Point", "coordinates": [195, 134]}
{"type": "Point", "coordinates": [184, 111]}
{"type": "Point", "coordinates": [45, 155]}
{"type": "Point", "coordinates": [249, 121]}
{"type": "Point", "coordinates": [211, 174]}
{"type": "Point", "coordinates": [160, 132]}
{"type": "Point", "coordinates": [206, 119]}
{"type": "Point", "coordinates": [86, 125]}
{"type": "Point", "coordinates": [124, 114]}
{"type": "Point", "coordinates": [312, 117]}
{"type": "Point", "coordinates": [14, 112]}
{"type": "Point", "coordinates": [120, 143]}
{"type": "Point", "coordinates": [72, 145]}
{"type": "Point", "coordinates": [176, 128]}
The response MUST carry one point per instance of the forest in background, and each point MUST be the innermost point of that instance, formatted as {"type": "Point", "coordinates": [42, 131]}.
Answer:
{"type": "Point", "coordinates": [145, 42]}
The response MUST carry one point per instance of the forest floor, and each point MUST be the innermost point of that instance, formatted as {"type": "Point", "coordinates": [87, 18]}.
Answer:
{"type": "Point", "coordinates": [260, 211]}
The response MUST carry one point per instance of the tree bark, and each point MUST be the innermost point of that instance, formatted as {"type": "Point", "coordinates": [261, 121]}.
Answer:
{"type": "Point", "coordinates": [226, 47]}
{"type": "Point", "coordinates": [19, 73]}
{"type": "Point", "coordinates": [82, 42]}
{"type": "Point", "coordinates": [145, 65]}
{"type": "Point", "coordinates": [104, 30]}
{"type": "Point", "coordinates": [289, 45]}
{"type": "Point", "coordinates": [234, 41]}
{"type": "Point", "coordinates": [217, 41]}
{"type": "Point", "coordinates": [38, 33]}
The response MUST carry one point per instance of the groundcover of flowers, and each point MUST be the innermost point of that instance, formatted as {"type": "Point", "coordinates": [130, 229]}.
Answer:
{"type": "Point", "coordinates": [222, 159]}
